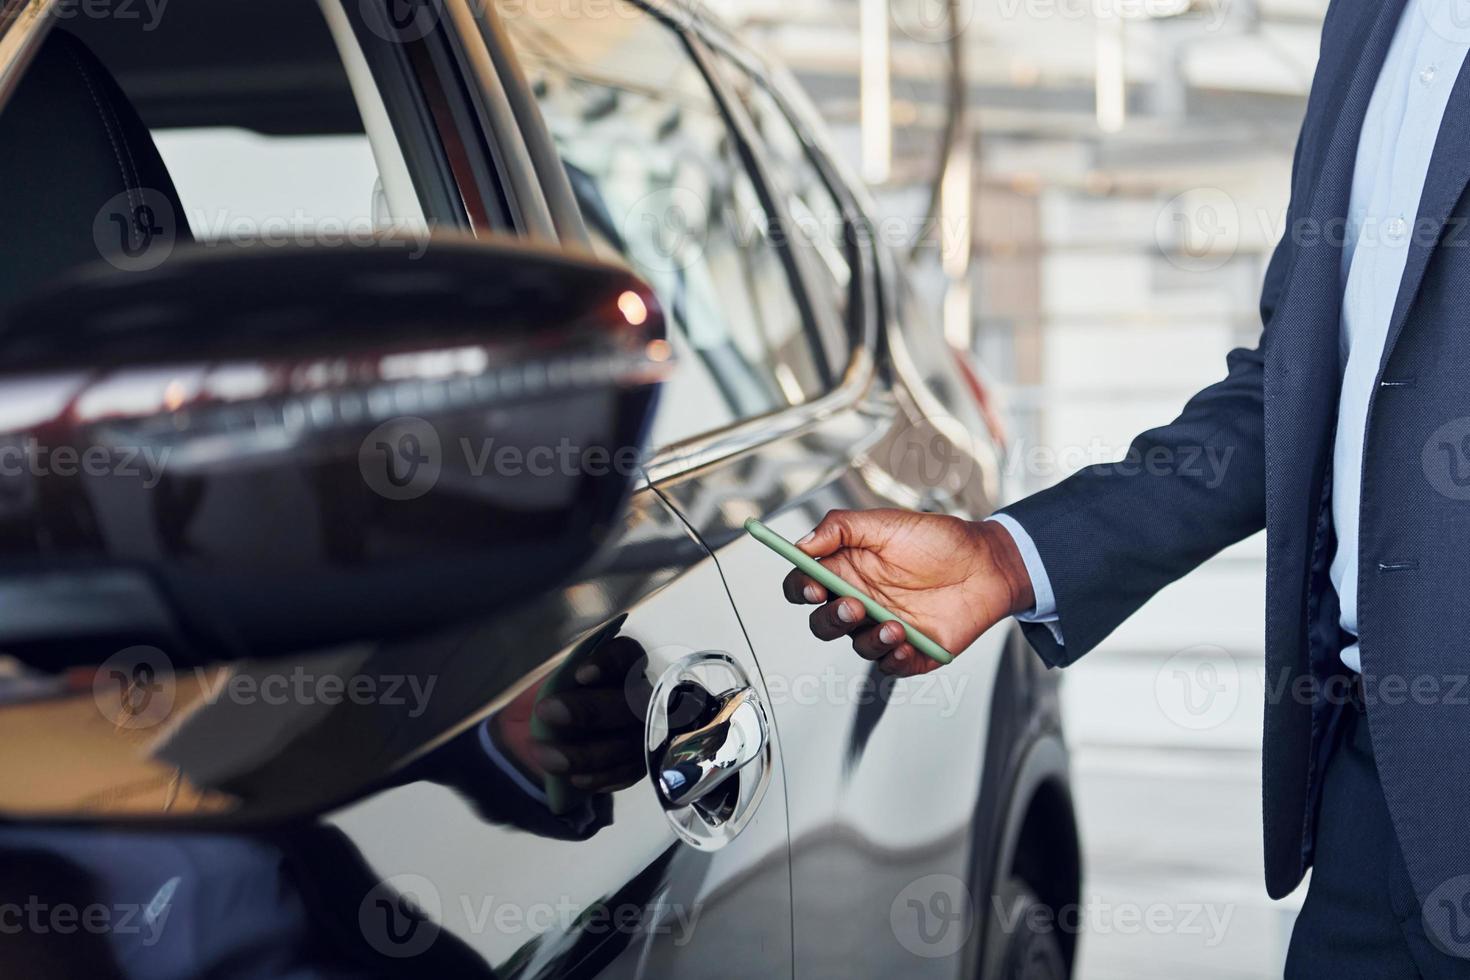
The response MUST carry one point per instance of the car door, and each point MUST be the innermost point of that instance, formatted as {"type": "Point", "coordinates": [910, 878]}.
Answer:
{"type": "Point", "coordinates": [884, 790]}
{"type": "Point", "coordinates": [414, 808]}
{"type": "Point", "coordinates": [490, 846]}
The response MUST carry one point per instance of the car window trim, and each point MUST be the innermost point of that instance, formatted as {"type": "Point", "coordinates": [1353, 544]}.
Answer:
{"type": "Point", "coordinates": [852, 218]}
{"type": "Point", "coordinates": [498, 123]}
{"type": "Point", "coordinates": [556, 187]}
{"type": "Point", "coordinates": [798, 274]}
{"type": "Point", "coordinates": [747, 435]}
{"type": "Point", "coordinates": [414, 109]}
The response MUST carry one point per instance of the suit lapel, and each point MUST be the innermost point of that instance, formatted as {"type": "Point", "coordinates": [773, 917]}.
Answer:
{"type": "Point", "coordinates": [1449, 172]}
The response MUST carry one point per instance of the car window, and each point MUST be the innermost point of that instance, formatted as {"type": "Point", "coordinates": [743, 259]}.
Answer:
{"type": "Point", "coordinates": [317, 181]}
{"type": "Point", "coordinates": [287, 141]}
{"type": "Point", "coordinates": [662, 184]}
{"type": "Point", "coordinates": [230, 182]}
{"type": "Point", "coordinates": [818, 223]}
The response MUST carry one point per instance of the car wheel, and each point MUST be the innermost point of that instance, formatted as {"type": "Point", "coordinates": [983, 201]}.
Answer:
{"type": "Point", "coordinates": [1028, 932]}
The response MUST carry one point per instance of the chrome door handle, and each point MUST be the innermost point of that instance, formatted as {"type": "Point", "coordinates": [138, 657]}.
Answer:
{"type": "Point", "coordinates": [690, 765]}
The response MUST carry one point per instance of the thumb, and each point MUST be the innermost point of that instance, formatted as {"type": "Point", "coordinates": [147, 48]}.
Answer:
{"type": "Point", "coordinates": [843, 529]}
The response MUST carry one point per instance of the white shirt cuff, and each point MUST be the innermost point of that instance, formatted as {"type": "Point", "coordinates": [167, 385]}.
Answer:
{"type": "Point", "coordinates": [1045, 611]}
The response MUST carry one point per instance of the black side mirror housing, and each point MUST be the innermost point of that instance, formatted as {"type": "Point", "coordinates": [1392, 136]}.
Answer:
{"type": "Point", "coordinates": [281, 448]}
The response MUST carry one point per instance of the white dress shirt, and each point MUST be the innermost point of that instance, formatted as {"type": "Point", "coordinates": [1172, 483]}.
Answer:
{"type": "Point", "coordinates": [1394, 150]}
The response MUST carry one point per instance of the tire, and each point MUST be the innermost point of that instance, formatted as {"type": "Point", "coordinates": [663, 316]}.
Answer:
{"type": "Point", "coordinates": [1026, 934]}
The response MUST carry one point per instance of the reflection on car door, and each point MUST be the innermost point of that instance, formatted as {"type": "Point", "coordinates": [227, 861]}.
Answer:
{"type": "Point", "coordinates": [541, 876]}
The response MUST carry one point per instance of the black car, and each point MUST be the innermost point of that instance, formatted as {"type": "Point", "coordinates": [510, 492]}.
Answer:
{"type": "Point", "coordinates": [383, 389]}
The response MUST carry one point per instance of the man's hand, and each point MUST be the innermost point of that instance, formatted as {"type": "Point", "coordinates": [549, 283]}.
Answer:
{"type": "Point", "coordinates": [950, 578]}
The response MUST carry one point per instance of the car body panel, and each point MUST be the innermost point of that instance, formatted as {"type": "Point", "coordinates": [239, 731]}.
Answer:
{"type": "Point", "coordinates": [881, 797]}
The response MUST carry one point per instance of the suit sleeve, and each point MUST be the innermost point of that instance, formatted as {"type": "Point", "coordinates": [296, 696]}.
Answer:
{"type": "Point", "coordinates": [1112, 535]}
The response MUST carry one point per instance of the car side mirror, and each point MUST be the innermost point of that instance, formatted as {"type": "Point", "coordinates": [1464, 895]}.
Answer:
{"type": "Point", "coordinates": [281, 447]}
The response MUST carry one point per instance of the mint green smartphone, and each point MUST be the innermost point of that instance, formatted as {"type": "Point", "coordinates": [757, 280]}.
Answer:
{"type": "Point", "coordinates": [837, 586]}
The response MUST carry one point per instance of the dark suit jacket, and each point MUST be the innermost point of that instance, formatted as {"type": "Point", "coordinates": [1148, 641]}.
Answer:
{"type": "Point", "coordinates": [1112, 536]}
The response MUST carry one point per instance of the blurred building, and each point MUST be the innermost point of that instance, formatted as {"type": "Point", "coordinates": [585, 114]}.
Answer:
{"type": "Point", "coordinates": [1129, 165]}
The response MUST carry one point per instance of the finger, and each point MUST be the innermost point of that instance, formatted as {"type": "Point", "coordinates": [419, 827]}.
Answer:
{"type": "Point", "coordinates": [905, 661]}
{"type": "Point", "coordinates": [839, 529]}
{"type": "Point", "coordinates": [837, 619]}
{"type": "Point", "coordinates": [588, 709]}
{"type": "Point", "coordinates": [877, 642]}
{"type": "Point", "coordinates": [802, 589]}
{"type": "Point", "coordinates": [899, 661]}
{"type": "Point", "coordinates": [610, 662]}
{"type": "Point", "coordinates": [586, 757]}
